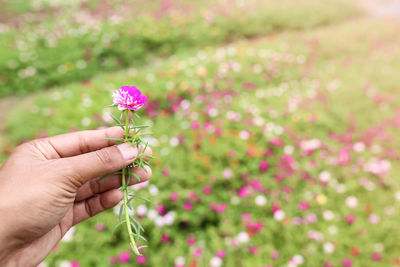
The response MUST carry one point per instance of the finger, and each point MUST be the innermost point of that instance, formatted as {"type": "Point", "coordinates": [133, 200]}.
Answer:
{"type": "Point", "coordinates": [83, 168]}
{"type": "Point", "coordinates": [72, 144]}
{"type": "Point", "coordinates": [94, 187]}
{"type": "Point", "coordinates": [88, 208]}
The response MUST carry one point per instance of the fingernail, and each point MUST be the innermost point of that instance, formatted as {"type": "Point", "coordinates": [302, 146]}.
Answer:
{"type": "Point", "coordinates": [128, 151]}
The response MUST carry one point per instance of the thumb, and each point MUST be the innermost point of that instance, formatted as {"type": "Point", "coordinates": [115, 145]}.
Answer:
{"type": "Point", "coordinates": [85, 167]}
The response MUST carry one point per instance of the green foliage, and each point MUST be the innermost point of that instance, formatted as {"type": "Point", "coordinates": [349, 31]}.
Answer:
{"type": "Point", "coordinates": [40, 54]}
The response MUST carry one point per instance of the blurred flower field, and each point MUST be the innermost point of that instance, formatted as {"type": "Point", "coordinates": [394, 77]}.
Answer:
{"type": "Point", "coordinates": [280, 150]}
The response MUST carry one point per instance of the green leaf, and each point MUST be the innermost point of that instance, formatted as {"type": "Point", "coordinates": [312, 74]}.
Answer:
{"type": "Point", "coordinates": [118, 121]}
{"type": "Point", "coordinates": [140, 197]}
{"type": "Point", "coordinates": [105, 176]}
{"type": "Point", "coordinates": [115, 139]}
{"type": "Point", "coordinates": [118, 225]}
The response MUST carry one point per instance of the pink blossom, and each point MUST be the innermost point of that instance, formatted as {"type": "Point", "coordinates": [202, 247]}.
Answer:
{"type": "Point", "coordinates": [221, 254]}
{"type": "Point", "coordinates": [129, 97]}
{"type": "Point", "coordinates": [328, 264]}
{"type": "Point", "coordinates": [276, 141]}
{"type": "Point", "coordinates": [161, 209]}
{"type": "Point", "coordinates": [304, 206]}
{"type": "Point", "coordinates": [113, 260]}
{"type": "Point", "coordinates": [100, 227]}
{"type": "Point", "coordinates": [376, 256]}
{"type": "Point", "coordinates": [207, 190]}
{"type": "Point", "coordinates": [195, 125]}
{"type": "Point", "coordinates": [256, 185]}
{"type": "Point", "coordinates": [197, 252]}
{"type": "Point", "coordinates": [253, 250]}
{"type": "Point", "coordinates": [75, 264]}
{"type": "Point", "coordinates": [191, 240]}
{"type": "Point", "coordinates": [344, 157]}
{"type": "Point", "coordinates": [141, 259]}
{"type": "Point", "coordinates": [174, 196]}
{"type": "Point", "coordinates": [275, 255]}
{"type": "Point", "coordinates": [263, 166]}
{"type": "Point", "coordinates": [347, 263]}
{"type": "Point", "coordinates": [124, 257]}
{"type": "Point", "coordinates": [166, 172]}
{"type": "Point", "coordinates": [187, 206]}
{"type": "Point", "coordinates": [165, 238]}
{"type": "Point", "coordinates": [350, 218]}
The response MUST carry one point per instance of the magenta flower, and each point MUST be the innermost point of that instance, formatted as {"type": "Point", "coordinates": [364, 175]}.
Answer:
{"type": "Point", "coordinates": [347, 263]}
{"type": "Point", "coordinates": [263, 166]}
{"type": "Point", "coordinates": [124, 257]}
{"type": "Point", "coordinates": [191, 240]}
{"type": "Point", "coordinates": [221, 254]}
{"type": "Point", "coordinates": [187, 206]}
{"type": "Point", "coordinates": [129, 97]}
{"type": "Point", "coordinates": [141, 259]}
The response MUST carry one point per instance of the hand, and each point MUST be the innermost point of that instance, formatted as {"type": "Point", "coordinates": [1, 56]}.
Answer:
{"type": "Point", "coordinates": [48, 185]}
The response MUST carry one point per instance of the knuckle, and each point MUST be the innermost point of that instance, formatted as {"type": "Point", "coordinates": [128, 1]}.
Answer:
{"type": "Point", "coordinates": [84, 146]}
{"type": "Point", "coordinates": [104, 156]}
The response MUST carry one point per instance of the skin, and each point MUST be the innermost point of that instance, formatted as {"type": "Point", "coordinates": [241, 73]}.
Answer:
{"type": "Point", "coordinates": [49, 185]}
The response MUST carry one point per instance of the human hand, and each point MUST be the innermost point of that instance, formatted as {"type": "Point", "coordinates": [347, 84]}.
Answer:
{"type": "Point", "coordinates": [50, 184]}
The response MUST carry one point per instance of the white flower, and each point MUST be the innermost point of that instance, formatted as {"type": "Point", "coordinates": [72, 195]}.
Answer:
{"type": "Point", "coordinates": [359, 147]}
{"type": "Point", "coordinates": [215, 262]}
{"type": "Point", "coordinates": [298, 259]}
{"type": "Point", "coordinates": [279, 215]}
{"type": "Point", "coordinates": [152, 214]}
{"type": "Point", "coordinates": [153, 190]}
{"type": "Point", "coordinates": [324, 176]}
{"type": "Point", "coordinates": [332, 229]}
{"type": "Point", "coordinates": [352, 202]}
{"type": "Point", "coordinates": [329, 248]}
{"type": "Point", "coordinates": [141, 210]}
{"type": "Point", "coordinates": [261, 200]}
{"type": "Point", "coordinates": [328, 215]}
{"type": "Point", "coordinates": [180, 260]}
{"type": "Point", "coordinates": [243, 237]}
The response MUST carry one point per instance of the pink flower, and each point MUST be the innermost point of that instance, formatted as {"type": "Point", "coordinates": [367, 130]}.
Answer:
{"type": "Point", "coordinates": [275, 255]}
{"type": "Point", "coordinates": [141, 259]}
{"type": "Point", "coordinates": [195, 125]}
{"type": "Point", "coordinates": [197, 252]}
{"type": "Point", "coordinates": [263, 166]}
{"type": "Point", "coordinates": [124, 257]}
{"type": "Point", "coordinates": [187, 206]}
{"type": "Point", "coordinates": [174, 196]}
{"type": "Point", "coordinates": [129, 97]}
{"type": "Point", "coordinates": [221, 254]}
{"type": "Point", "coordinates": [253, 250]}
{"type": "Point", "coordinates": [165, 238]}
{"type": "Point", "coordinates": [166, 172]}
{"type": "Point", "coordinates": [328, 264]}
{"type": "Point", "coordinates": [207, 190]}
{"type": "Point", "coordinates": [276, 141]}
{"type": "Point", "coordinates": [347, 263]}
{"type": "Point", "coordinates": [100, 227]}
{"type": "Point", "coordinates": [376, 256]}
{"type": "Point", "coordinates": [191, 240]}
{"type": "Point", "coordinates": [350, 218]}
{"type": "Point", "coordinates": [161, 209]}
{"type": "Point", "coordinates": [304, 206]}
{"type": "Point", "coordinates": [113, 260]}
{"type": "Point", "coordinates": [75, 264]}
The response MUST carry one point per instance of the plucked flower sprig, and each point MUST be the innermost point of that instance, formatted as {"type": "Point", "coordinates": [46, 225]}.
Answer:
{"type": "Point", "coordinates": [129, 99]}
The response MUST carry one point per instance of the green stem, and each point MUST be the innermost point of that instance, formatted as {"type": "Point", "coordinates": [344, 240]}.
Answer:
{"type": "Point", "coordinates": [125, 172]}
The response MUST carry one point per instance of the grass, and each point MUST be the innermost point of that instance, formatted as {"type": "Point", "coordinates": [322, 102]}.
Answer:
{"type": "Point", "coordinates": [337, 84]}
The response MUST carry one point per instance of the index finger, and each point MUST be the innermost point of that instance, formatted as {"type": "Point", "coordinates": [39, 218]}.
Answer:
{"type": "Point", "coordinates": [77, 143]}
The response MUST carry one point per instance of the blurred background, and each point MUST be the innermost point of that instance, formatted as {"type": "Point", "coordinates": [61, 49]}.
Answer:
{"type": "Point", "coordinates": [276, 123]}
